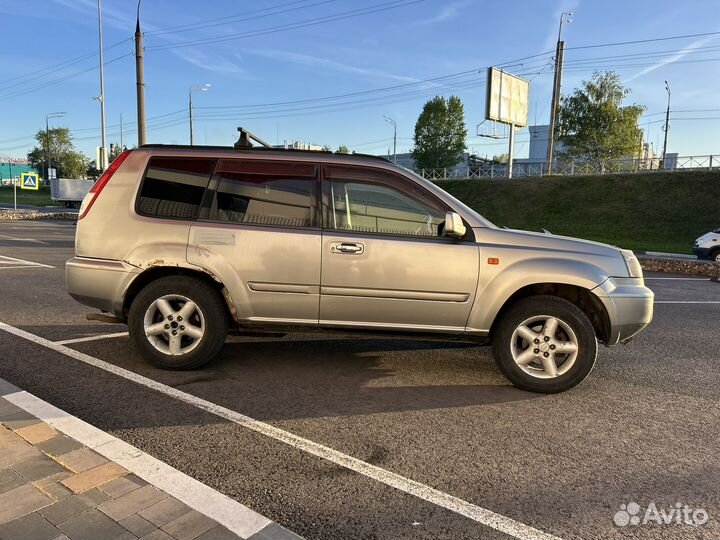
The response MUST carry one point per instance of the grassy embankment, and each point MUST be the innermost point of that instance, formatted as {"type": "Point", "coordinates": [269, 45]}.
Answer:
{"type": "Point", "coordinates": [652, 212]}
{"type": "Point", "coordinates": [40, 197]}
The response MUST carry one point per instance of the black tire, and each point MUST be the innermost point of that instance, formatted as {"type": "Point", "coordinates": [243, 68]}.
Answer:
{"type": "Point", "coordinates": [551, 306]}
{"type": "Point", "coordinates": [714, 255]}
{"type": "Point", "coordinates": [210, 303]}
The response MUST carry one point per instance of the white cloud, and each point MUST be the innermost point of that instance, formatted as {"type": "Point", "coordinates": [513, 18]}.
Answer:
{"type": "Point", "coordinates": [214, 63]}
{"type": "Point", "coordinates": [447, 13]}
{"type": "Point", "coordinates": [325, 63]}
{"type": "Point", "coordinates": [672, 58]}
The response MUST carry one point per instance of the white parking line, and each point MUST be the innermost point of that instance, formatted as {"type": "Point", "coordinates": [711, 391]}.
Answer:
{"type": "Point", "coordinates": [91, 338]}
{"type": "Point", "coordinates": [680, 278]}
{"type": "Point", "coordinates": [226, 511]}
{"type": "Point", "coordinates": [687, 301]}
{"type": "Point", "coordinates": [476, 513]}
{"type": "Point", "coordinates": [4, 259]}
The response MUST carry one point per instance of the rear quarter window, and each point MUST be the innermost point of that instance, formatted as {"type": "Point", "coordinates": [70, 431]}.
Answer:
{"type": "Point", "coordinates": [173, 188]}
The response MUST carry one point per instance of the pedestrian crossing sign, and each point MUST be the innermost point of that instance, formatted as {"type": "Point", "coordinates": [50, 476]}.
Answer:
{"type": "Point", "coordinates": [29, 181]}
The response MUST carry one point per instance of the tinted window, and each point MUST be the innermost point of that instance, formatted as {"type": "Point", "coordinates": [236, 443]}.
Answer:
{"type": "Point", "coordinates": [278, 193]}
{"type": "Point", "coordinates": [174, 188]}
{"type": "Point", "coordinates": [364, 201]}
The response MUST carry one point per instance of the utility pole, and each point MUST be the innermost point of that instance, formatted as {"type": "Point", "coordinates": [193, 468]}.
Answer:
{"type": "Point", "coordinates": [103, 148]}
{"type": "Point", "coordinates": [122, 146]}
{"type": "Point", "coordinates": [666, 127]}
{"type": "Point", "coordinates": [47, 140]}
{"type": "Point", "coordinates": [394, 124]}
{"type": "Point", "coordinates": [192, 141]}
{"type": "Point", "coordinates": [557, 83]}
{"type": "Point", "coordinates": [140, 79]}
{"type": "Point", "coordinates": [196, 88]}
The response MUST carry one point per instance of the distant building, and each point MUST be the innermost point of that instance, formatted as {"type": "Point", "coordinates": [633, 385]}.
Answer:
{"type": "Point", "coordinates": [13, 168]}
{"type": "Point", "coordinates": [298, 145]}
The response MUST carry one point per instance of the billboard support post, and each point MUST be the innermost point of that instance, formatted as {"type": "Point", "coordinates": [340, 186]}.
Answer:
{"type": "Point", "coordinates": [511, 147]}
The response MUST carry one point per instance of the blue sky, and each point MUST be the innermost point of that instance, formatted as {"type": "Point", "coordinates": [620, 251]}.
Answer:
{"type": "Point", "coordinates": [401, 46]}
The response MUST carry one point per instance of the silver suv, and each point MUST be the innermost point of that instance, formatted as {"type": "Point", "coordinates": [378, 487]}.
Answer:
{"type": "Point", "coordinates": [185, 243]}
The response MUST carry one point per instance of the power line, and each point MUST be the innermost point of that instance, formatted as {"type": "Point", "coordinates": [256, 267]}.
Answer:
{"type": "Point", "coordinates": [211, 23]}
{"type": "Point", "coordinates": [385, 6]}
{"type": "Point", "coordinates": [40, 73]}
{"type": "Point", "coordinates": [56, 81]}
{"type": "Point", "coordinates": [637, 41]}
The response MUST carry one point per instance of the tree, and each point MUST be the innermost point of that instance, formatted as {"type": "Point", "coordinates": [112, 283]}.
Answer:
{"type": "Point", "coordinates": [594, 125]}
{"type": "Point", "coordinates": [501, 158]}
{"type": "Point", "coordinates": [63, 157]}
{"type": "Point", "coordinates": [115, 151]}
{"type": "Point", "coordinates": [342, 149]}
{"type": "Point", "coordinates": [326, 148]}
{"type": "Point", "coordinates": [440, 134]}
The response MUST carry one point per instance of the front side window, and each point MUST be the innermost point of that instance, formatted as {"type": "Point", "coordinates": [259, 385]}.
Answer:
{"type": "Point", "coordinates": [276, 193]}
{"type": "Point", "coordinates": [174, 187]}
{"type": "Point", "coordinates": [379, 202]}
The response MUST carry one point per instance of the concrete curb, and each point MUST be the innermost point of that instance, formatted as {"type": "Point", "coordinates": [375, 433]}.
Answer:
{"type": "Point", "coordinates": [213, 505]}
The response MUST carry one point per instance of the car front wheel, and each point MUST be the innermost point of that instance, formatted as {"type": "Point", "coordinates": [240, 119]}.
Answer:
{"type": "Point", "coordinates": [545, 344]}
{"type": "Point", "coordinates": [178, 322]}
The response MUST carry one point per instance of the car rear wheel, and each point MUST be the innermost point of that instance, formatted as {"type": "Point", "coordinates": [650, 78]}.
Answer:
{"type": "Point", "coordinates": [715, 256]}
{"type": "Point", "coordinates": [178, 322]}
{"type": "Point", "coordinates": [545, 344]}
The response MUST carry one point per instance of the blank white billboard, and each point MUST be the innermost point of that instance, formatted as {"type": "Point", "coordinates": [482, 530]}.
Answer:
{"type": "Point", "coordinates": [507, 98]}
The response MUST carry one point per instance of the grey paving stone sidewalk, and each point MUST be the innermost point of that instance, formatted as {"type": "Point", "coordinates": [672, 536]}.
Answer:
{"type": "Point", "coordinates": [54, 488]}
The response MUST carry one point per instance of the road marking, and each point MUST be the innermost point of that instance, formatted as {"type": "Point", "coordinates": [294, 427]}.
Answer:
{"type": "Point", "coordinates": [91, 338]}
{"type": "Point", "coordinates": [16, 239]}
{"type": "Point", "coordinates": [228, 512]}
{"type": "Point", "coordinates": [687, 301]}
{"type": "Point", "coordinates": [680, 278]}
{"type": "Point", "coordinates": [4, 259]}
{"type": "Point", "coordinates": [471, 511]}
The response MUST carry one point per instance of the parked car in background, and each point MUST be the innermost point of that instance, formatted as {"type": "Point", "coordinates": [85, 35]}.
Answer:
{"type": "Point", "coordinates": [183, 242]}
{"type": "Point", "coordinates": [708, 246]}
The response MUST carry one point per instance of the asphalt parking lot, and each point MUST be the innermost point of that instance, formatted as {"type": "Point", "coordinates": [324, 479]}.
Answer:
{"type": "Point", "coordinates": [443, 447]}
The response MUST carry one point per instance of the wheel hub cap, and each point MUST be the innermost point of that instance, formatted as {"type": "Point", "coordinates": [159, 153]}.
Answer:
{"type": "Point", "coordinates": [174, 324]}
{"type": "Point", "coordinates": [544, 347]}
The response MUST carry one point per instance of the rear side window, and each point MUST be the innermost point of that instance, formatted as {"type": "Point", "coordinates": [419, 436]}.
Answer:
{"type": "Point", "coordinates": [259, 192]}
{"type": "Point", "coordinates": [174, 187]}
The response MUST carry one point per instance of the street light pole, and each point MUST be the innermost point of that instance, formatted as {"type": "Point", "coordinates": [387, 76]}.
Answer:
{"type": "Point", "coordinates": [140, 79]}
{"type": "Point", "coordinates": [196, 88]}
{"type": "Point", "coordinates": [103, 149]}
{"type": "Point", "coordinates": [666, 127]}
{"type": "Point", "coordinates": [47, 140]}
{"type": "Point", "coordinates": [557, 83]}
{"type": "Point", "coordinates": [394, 124]}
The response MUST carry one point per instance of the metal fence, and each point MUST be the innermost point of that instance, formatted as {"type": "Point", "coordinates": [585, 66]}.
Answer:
{"type": "Point", "coordinates": [576, 168]}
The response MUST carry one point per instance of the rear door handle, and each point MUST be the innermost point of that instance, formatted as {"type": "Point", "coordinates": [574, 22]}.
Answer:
{"type": "Point", "coordinates": [348, 248]}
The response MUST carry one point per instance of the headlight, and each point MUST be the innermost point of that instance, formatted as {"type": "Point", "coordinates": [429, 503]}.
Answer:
{"type": "Point", "coordinates": [632, 263]}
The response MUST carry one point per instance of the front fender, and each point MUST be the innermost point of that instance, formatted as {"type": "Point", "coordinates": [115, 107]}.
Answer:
{"type": "Point", "coordinates": [498, 283]}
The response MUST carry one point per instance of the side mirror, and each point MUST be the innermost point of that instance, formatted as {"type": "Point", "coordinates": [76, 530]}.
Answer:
{"type": "Point", "coordinates": [454, 226]}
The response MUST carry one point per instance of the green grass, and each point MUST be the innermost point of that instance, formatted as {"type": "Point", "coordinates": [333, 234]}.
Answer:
{"type": "Point", "coordinates": [40, 197]}
{"type": "Point", "coordinates": [652, 212]}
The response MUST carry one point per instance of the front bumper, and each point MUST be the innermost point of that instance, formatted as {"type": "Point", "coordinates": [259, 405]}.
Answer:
{"type": "Point", "coordinates": [701, 252]}
{"type": "Point", "coordinates": [629, 305]}
{"type": "Point", "coordinates": [99, 283]}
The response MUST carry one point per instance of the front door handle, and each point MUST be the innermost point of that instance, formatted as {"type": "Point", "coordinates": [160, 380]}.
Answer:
{"type": "Point", "coordinates": [349, 248]}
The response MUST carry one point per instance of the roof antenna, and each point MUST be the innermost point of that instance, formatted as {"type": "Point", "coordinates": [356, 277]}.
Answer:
{"type": "Point", "coordinates": [246, 138]}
